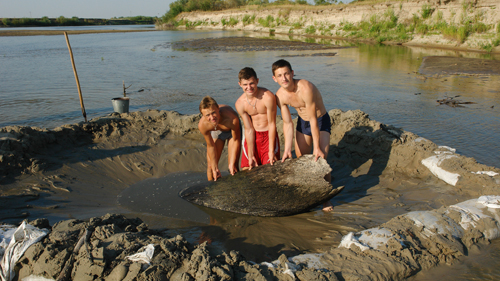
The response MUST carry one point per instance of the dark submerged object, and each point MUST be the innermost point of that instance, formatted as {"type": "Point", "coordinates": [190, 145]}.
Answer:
{"type": "Point", "coordinates": [283, 189]}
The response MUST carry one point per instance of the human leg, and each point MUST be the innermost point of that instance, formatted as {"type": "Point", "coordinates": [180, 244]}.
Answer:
{"type": "Point", "coordinates": [303, 144]}
{"type": "Point", "coordinates": [244, 155]}
{"type": "Point", "coordinates": [324, 143]}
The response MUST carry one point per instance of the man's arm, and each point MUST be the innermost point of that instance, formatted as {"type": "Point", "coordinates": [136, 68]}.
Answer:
{"type": "Point", "coordinates": [249, 134]}
{"type": "Point", "coordinates": [287, 128]}
{"type": "Point", "coordinates": [234, 152]}
{"type": "Point", "coordinates": [211, 152]}
{"type": "Point", "coordinates": [270, 103]}
{"type": "Point", "coordinates": [308, 97]}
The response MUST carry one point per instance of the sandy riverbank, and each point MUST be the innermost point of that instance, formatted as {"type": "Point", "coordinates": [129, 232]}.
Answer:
{"type": "Point", "coordinates": [327, 22]}
{"type": "Point", "coordinates": [78, 170]}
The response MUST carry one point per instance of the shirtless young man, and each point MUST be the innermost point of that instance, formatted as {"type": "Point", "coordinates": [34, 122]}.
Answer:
{"type": "Point", "coordinates": [313, 126]}
{"type": "Point", "coordinates": [257, 108]}
{"type": "Point", "coordinates": [218, 124]}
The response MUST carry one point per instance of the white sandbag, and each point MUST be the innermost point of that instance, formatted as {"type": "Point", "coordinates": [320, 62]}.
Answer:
{"type": "Point", "coordinates": [17, 241]}
{"type": "Point", "coordinates": [144, 255]}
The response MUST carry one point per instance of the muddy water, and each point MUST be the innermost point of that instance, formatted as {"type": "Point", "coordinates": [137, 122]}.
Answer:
{"type": "Point", "coordinates": [37, 86]}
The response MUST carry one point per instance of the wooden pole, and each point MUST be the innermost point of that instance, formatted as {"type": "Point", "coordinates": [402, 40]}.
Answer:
{"type": "Point", "coordinates": [76, 77]}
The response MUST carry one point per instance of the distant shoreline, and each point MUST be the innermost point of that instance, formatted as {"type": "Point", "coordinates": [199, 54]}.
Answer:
{"type": "Point", "coordinates": [60, 32]}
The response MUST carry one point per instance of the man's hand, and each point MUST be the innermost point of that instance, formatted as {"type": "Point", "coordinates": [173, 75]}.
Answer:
{"type": "Point", "coordinates": [286, 154]}
{"type": "Point", "coordinates": [272, 158]}
{"type": "Point", "coordinates": [233, 169]}
{"type": "Point", "coordinates": [216, 173]}
{"type": "Point", "coordinates": [252, 162]}
{"type": "Point", "coordinates": [317, 154]}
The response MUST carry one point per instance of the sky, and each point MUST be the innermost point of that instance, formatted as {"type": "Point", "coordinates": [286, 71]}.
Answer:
{"type": "Point", "coordinates": [82, 9]}
{"type": "Point", "coordinates": [105, 9]}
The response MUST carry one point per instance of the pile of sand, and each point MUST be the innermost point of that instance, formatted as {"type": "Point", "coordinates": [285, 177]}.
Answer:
{"type": "Point", "coordinates": [119, 150]}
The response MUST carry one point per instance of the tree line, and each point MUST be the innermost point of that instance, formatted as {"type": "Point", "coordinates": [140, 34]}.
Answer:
{"type": "Point", "coordinates": [74, 21]}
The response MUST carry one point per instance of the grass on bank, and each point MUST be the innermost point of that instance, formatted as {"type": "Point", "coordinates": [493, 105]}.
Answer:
{"type": "Point", "coordinates": [381, 28]}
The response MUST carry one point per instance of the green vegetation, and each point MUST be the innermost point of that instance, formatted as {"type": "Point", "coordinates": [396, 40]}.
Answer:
{"type": "Point", "coordinates": [388, 27]}
{"type": "Point", "coordinates": [267, 22]}
{"type": "Point", "coordinates": [74, 21]}
{"type": "Point", "coordinates": [247, 19]}
{"type": "Point", "coordinates": [426, 11]}
{"type": "Point", "coordinates": [427, 21]}
{"type": "Point", "coordinates": [180, 6]}
{"type": "Point", "coordinates": [231, 22]}
{"type": "Point", "coordinates": [311, 29]}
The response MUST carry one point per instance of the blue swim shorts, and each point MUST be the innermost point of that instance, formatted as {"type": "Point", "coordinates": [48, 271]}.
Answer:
{"type": "Point", "coordinates": [324, 124]}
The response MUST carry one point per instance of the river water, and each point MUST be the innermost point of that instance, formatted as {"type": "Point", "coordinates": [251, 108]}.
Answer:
{"type": "Point", "coordinates": [37, 88]}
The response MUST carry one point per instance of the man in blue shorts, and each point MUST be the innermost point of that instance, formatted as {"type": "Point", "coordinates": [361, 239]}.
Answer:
{"type": "Point", "coordinates": [313, 125]}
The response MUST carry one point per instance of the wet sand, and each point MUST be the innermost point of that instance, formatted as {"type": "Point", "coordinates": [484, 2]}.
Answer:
{"type": "Point", "coordinates": [83, 171]}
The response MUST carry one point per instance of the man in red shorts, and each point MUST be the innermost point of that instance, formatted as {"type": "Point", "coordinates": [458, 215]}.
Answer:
{"type": "Point", "coordinates": [257, 109]}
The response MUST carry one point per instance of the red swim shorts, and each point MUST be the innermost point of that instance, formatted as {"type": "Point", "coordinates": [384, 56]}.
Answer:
{"type": "Point", "coordinates": [261, 149]}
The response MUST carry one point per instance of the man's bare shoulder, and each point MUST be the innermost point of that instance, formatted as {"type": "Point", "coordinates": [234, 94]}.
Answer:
{"type": "Point", "coordinates": [282, 96]}
{"type": "Point", "coordinates": [305, 84]}
{"type": "Point", "coordinates": [281, 92]}
{"type": "Point", "coordinates": [203, 126]}
{"type": "Point", "coordinates": [266, 94]}
{"type": "Point", "coordinates": [240, 104]}
{"type": "Point", "coordinates": [227, 111]}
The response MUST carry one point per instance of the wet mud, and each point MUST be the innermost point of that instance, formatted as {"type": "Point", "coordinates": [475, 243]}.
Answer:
{"type": "Point", "coordinates": [422, 202]}
{"type": "Point", "coordinates": [246, 44]}
{"type": "Point", "coordinates": [441, 65]}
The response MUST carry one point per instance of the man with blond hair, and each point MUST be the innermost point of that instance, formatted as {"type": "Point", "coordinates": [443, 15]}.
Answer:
{"type": "Point", "coordinates": [219, 124]}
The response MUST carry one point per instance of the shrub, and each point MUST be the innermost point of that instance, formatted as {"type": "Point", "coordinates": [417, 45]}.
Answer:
{"type": "Point", "coordinates": [496, 42]}
{"type": "Point", "coordinates": [415, 19]}
{"type": "Point", "coordinates": [479, 27]}
{"type": "Point", "coordinates": [487, 47]}
{"type": "Point", "coordinates": [347, 26]}
{"type": "Point", "coordinates": [245, 19]}
{"type": "Point", "coordinates": [310, 29]}
{"type": "Point", "coordinates": [392, 16]}
{"type": "Point", "coordinates": [427, 11]}
{"type": "Point", "coordinates": [462, 33]}
{"type": "Point", "coordinates": [232, 21]}
{"type": "Point", "coordinates": [422, 29]}
{"type": "Point", "coordinates": [297, 25]}
{"type": "Point", "coordinates": [8, 22]}
{"type": "Point", "coordinates": [267, 22]}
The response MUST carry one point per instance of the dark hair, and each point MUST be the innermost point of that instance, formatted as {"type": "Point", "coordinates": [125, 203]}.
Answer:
{"type": "Point", "coordinates": [207, 102]}
{"type": "Point", "coordinates": [281, 63]}
{"type": "Point", "coordinates": [247, 73]}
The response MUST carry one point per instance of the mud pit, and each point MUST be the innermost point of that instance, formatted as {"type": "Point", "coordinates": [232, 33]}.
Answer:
{"type": "Point", "coordinates": [396, 216]}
